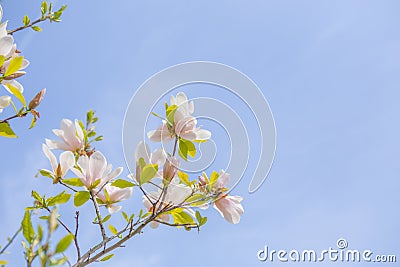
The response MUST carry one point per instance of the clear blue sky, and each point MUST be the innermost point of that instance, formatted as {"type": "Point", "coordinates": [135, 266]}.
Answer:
{"type": "Point", "coordinates": [329, 70]}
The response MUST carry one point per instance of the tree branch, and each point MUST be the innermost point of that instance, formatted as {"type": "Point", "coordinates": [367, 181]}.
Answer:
{"type": "Point", "coordinates": [11, 240]}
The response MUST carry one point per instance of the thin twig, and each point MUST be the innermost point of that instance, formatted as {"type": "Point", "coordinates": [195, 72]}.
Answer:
{"type": "Point", "coordinates": [10, 240]}
{"type": "Point", "coordinates": [30, 24]}
{"type": "Point", "coordinates": [19, 115]}
{"type": "Point", "coordinates": [78, 250]}
{"type": "Point", "coordinates": [96, 207]}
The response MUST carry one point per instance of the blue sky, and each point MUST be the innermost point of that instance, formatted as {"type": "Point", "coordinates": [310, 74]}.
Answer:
{"type": "Point", "coordinates": [329, 70]}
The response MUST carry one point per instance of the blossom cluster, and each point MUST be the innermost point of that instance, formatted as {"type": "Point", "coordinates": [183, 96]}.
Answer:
{"type": "Point", "coordinates": [11, 65]}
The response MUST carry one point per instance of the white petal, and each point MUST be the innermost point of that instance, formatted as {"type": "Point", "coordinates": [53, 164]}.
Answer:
{"type": "Point", "coordinates": [54, 144]}
{"type": "Point", "coordinates": [51, 157]}
{"type": "Point", "coordinates": [6, 44]}
{"type": "Point", "coordinates": [142, 151]}
{"type": "Point", "coordinates": [67, 161]}
{"type": "Point", "coordinates": [14, 83]}
{"type": "Point", "coordinates": [114, 174]}
{"type": "Point", "coordinates": [97, 165]}
{"type": "Point", "coordinates": [158, 157]}
{"type": "Point", "coordinates": [5, 100]}
{"type": "Point", "coordinates": [113, 208]}
{"type": "Point", "coordinates": [202, 134]}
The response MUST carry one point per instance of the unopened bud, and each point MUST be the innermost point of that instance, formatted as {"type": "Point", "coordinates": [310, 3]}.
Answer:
{"type": "Point", "coordinates": [170, 168]}
{"type": "Point", "coordinates": [15, 75]}
{"type": "Point", "coordinates": [37, 99]}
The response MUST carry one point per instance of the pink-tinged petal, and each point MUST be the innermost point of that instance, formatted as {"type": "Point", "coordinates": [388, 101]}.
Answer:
{"type": "Point", "coordinates": [158, 157]}
{"type": "Point", "coordinates": [230, 208]}
{"type": "Point", "coordinates": [119, 194]}
{"type": "Point", "coordinates": [142, 151]}
{"type": "Point", "coordinates": [202, 134]}
{"type": "Point", "coordinates": [97, 166]}
{"type": "Point", "coordinates": [54, 144]}
{"type": "Point", "coordinates": [113, 174]}
{"type": "Point", "coordinates": [6, 44]}
{"type": "Point", "coordinates": [160, 134]}
{"type": "Point", "coordinates": [25, 63]}
{"type": "Point", "coordinates": [154, 225]}
{"type": "Point", "coordinates": [223, 180]}
{"type": "Point", "coordinates": [5, 101]}
{"type": "Point", "coordinates": [177, 193]}
{"type": "Point", "coordinates": [67, 161]}
{"type": "Point", "coordinates": [113, 208]}
{"type": "Point", "coordinates": [79, 131]}
{"type": "Point", "coordinates": [1, 13]}
{"type": "Point", "coordinates": [51, 157]}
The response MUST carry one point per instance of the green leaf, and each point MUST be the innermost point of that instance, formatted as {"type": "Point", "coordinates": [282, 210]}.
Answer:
{"type": "Point", "coordinates": [36, 28]}
{"type": "Point", "coordinates": [107, 257]}
{"type": "Point", "coordinates": [33, 122]}
{"type": "Point", "coordinates": [184, 177]}
{"type": "Point", "coordinates": [195, 197]}
{"type": "Point", "coordinates": [43, 8]}
{"type": "Point", "coordinates": [113, 230]}
{"type": "Point", "coordinates": [40, 232]}
{"type": "Point", "coordinates": [61, 198]}
{"type": "Point", "coordinates": [27, 228]}
{"type": "Point", "coordinates": [73, 182]}
{"type": "Point", "coordinates": [148, 173]}
{"type": "Point", "coordinates": [170, 112]}
{"type": "Point", "coordinates": [186, 148]}
{"type": "Point", "coordinates": [60, 261]}
{"type": "Point", "coordinates": [6, 131]}
{"type": "Point", "coordinates": [15, 65]}
{"type": "Point", "coordinates": [122, 183]}
{"type": "Point", "coordinates": [106, 218]}
{"type": "Point", "coordinates": [2, 59]}
{"type": "Point", "coordinates": [213, 179]}
{"type": "Point", "coordinates": [95, 184]}
{"type": "Point", "coordinates": [26, 20]}
{"type": "Point", "coordinates": [14, 90]}
{"type": "Point", "coordinates": [181, 217]}
{"type": "Point", "coordinates": [36, 196]}
{"type": "Point", "coordinates": [64, 243]}
{"type": "Point", "coordinates": [125, 216]}
{"type": "Point", "coordinates": [46, 173]}
{"type": "Point", "coordinates": [81, 197]}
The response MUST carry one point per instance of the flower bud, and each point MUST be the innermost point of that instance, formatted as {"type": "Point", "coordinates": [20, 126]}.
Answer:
{"type": "Point", "coordinates": [170, 168]}
{"type": "Point", "coordinates": [5, 101]}
{"type": "Point", "coordinates": [37, 99]}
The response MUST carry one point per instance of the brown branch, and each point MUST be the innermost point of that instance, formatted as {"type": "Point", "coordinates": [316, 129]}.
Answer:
{"type": "Point", "coordinates": [19, 115]}
{"type": "Point", "coordinates": [96, 207]}
{"type": "Point", "coordinates": [78, 250]}
{"type": "Point", "coordinates": [30, 24]}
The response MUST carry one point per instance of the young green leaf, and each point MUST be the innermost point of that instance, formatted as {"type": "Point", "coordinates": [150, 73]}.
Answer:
{"type": "Point", "coordinates": [27, 228]}
{"type": "Point", "coordinates": [184, 177]}
{"type": "Point", "coordinates": [15, 65]}
{"type": "Point", "coordinates": [73, 182]}
{"type": "Point", "coordinates": [26, 20]}
{"type": "Point", "coordinates": [113, 230]}
{"type": "Point", "coordinates": [148, 173]}
{"type": "Point", "coordinates": [107, 257]}
{"type": "Point", "coordinates": [64, 243]}
{"type": "Point", "coordinates": [61, 198]}
{"type": "Point", "coordinates": [36, 28]}
{"type": "Point", "coordinates": [17, 93]}
{"type": "Point", "coordinates": [6, 131]}
{"type": "Point", "coordinates": [122, 183]}
{"type": "Point", "coordinates": [81, 197]}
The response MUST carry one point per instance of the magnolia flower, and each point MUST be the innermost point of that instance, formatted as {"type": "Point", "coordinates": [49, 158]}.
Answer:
{"type": "Point", "coordinates": [59, 170]}
{"type": "Point", "coordinates": [71, 135]}
{"type": "Point", "coordinates": [184, 125]}
{"type": "Point", "coordinates": [4, 102]}
{"type": "Point", "coordinates": [175, 194]}
{"type": "Point", "coordinates": [95, 168]}
{"type": "Point", "coordinates": [114, 195]}
{"type": "Point", "coordinates": [143, 151]}
{"type": "Point", "coordinates": [9, 51]}
{"type": "Point", "coordinates": [230, 208]}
